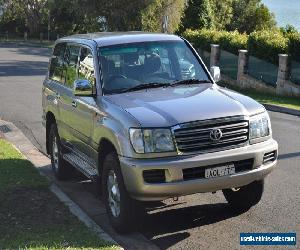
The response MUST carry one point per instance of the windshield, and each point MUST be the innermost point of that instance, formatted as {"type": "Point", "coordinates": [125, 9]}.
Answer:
{"type": "Point", "coordinates": [128, 66]}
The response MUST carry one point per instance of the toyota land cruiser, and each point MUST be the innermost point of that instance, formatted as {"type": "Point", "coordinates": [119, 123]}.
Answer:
{"type": "Point", "coordinates": [141, 114]}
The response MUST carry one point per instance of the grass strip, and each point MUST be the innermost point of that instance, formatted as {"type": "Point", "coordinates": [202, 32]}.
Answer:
{"type": "Point", "coordinates": [31, 216]}
{"type": "Point", "coordinates": [265, 98]}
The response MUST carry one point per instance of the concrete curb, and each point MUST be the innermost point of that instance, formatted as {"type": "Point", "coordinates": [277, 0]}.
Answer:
{"type": "Point", "coordinates": [12, 134]}
{"type": "Point", "coordinates": [80, 214]}
{"type": "Point", "coordinates": [280, 109]}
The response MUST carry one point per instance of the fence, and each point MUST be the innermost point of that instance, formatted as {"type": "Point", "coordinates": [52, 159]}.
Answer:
{"type": "Point", "coordinates": [250, 72]}
{"type": "Point", "coordinates": [263, 71]}
{"type": "Point", "coordinates": [295, 72]}
{"type": "Point", "coordinates": [229, 64]}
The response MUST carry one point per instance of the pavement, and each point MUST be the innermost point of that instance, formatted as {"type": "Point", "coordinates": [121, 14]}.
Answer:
{"type": "Point", "coordinates": [200, 221]}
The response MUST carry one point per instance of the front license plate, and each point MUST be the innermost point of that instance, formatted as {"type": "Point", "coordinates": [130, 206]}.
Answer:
{"type": "Point", "coordinates": [219, 171]}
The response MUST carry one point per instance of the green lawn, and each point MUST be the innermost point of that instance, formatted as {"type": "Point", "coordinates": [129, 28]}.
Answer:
{"type": "Point", "coordinates": [31, 217]}
{"type": "Point", "coordinates": [288, 102]}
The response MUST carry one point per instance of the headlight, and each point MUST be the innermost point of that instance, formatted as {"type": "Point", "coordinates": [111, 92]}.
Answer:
{"type": "Point", "coordinates": [260, 126]}
{"type": "Point", "coordinates": [151, 140]}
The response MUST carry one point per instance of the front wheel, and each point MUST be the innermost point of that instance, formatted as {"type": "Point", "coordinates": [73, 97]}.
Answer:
{"type": "Point", "coordinates": [121, 209]}
{"type": "Point", "coordinates": [245, 197]}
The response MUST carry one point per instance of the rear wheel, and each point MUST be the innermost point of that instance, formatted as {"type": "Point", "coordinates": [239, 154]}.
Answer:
{"type": "Point", "coordinates": [61, 169]}
{"type": "Point", "coordinates": [245, 197]}
{"type": "Point", "coordinates": [121, 208]}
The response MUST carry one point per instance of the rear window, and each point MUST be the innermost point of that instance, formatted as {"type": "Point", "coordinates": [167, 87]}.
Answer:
{"type": "Point", "coordinates": [57, 65]}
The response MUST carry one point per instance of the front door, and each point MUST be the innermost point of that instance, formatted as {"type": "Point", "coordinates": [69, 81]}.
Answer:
{"type": "Point", "coordinates": [83, 114]}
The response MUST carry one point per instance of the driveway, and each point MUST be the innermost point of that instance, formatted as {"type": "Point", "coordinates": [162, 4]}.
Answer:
{"type": "Point", "coordinates": [202, 221]}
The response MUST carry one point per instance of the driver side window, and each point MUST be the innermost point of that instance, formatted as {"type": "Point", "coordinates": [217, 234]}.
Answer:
{"type": "Point", "coordinates": [86, 65]}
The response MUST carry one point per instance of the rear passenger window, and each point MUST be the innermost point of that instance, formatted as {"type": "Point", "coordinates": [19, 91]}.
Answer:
{"type": "Point", "coordinates": [56, 71]}
{"type": "Point", "coordinates": [71, 59]}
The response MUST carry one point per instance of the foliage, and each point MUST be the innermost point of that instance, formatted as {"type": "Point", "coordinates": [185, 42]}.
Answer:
{"type": "Point", "coordinates": [242, 15]}
{"type": "Point", "coordinates": [231, 41]}
{"type": "Point", "coordinates": [197, 15]}
{"type": "Point", "coordinates": [31, 12]}
{"type": "Point", "coordinates": [222, 12]}
{"type": "Point", "coordinates": [251, 15]}
{"type": "Point", "coordinates": [294, 45]}
{"type": "Point", "coordinates": [267, 44]}
{"type": "Point", "coordinates": [152, 15]}
{"type": "Point", "coordinates": [80, 16]}
{"type": "Point", "coordinates": [288, 29]}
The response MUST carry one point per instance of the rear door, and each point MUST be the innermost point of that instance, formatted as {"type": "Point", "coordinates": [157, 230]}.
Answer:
{"type": "Point", "coordinates": [54, 84]}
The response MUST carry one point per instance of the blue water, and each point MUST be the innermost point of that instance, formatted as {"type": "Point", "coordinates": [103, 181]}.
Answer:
{"type": "Point", "coordinates": [286, 11]}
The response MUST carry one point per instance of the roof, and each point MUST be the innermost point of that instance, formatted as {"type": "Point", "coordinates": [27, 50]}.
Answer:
{"type": "Point", "coordinates": [114, 38]}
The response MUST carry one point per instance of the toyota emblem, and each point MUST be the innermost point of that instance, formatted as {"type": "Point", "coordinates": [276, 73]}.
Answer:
{"type": "Point", "coordinates": [215, 134]}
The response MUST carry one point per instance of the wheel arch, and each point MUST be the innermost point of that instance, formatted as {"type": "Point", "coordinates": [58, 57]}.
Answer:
{"type": "Point", "coordinates": [105, 147]}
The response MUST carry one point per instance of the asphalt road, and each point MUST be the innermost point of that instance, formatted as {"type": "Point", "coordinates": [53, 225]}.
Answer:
{"type": "Point", "coordinates": [202, 221]}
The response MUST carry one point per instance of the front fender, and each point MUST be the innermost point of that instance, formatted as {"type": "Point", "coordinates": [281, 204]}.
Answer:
{"type": "Point", "coordinates": [113, 131]}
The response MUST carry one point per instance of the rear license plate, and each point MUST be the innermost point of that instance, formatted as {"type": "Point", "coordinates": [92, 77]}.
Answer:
{"type": "Point", "coordinates": [219, 171]}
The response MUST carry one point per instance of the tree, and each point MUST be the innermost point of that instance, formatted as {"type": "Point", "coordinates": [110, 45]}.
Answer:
{"type": "Point", "coordinates": [123, 15]}
{"type": "Point", "coordinates": [197, 15]}
{"type": "Point", "coordinates": [251, 15]}
{"type": "Point", "coordinates": [33, 12]}
{"type": "Point", "coordinates": [152, 16]}
{"type": "Point", "coordinates": [222, 12]}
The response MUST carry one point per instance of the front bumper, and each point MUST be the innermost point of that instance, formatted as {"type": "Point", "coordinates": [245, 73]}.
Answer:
{"type": "Point", "coordinates": [175, 185]}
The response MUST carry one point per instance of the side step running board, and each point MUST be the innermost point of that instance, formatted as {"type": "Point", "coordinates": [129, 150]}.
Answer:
{"type": "Point", "coordinates": [84, 167]}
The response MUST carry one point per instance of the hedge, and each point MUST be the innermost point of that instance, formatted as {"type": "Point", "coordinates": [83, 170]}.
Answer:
{"type": "Point", "coordinates": [294, 45]}
{"type": "Point", "coordinates": [266, 44]}
{"type": "Point", "coordinates": [230, 41]}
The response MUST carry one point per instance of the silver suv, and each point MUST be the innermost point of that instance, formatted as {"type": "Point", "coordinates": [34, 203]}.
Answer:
{"type": "Point", "coordinates": [140, 114]}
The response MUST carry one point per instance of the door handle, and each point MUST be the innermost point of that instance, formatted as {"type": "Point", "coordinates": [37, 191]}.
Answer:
{"type": "Point", "coordinates": [74, 104]}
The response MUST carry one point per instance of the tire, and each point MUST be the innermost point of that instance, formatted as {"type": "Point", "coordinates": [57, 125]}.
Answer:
{"type": "Point", "coordinates": [122, 210]}
{"type": "Point", "coordinates": [245, 197]}
{"type": "Point", "coordinates": [62, 170]}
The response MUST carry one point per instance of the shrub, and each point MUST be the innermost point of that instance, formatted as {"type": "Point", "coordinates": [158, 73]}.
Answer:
{"type": "Point", "coordinates": [294, 45]}
{"type": "Point", "coordinates": [233, 41]}
{"type": "Point", "coordinates": [267, 44]}
{"type": "Point", "coordinates": [202, 38]}
{"type": "Point", "coordinates": [230, 41]}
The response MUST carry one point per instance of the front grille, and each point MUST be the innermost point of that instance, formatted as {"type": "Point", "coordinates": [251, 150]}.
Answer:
{"type": "Point", "coordinates": [269, 157]}
{"type": "Point", "coordinates": [196, 136]}
{"type": "Point", "coordinates": [154, 176]}
{"type": "Point", "coordinates": [199, 172]}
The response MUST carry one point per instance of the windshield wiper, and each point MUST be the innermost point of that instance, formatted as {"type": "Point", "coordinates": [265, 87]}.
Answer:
{"type": "Point", "coordinates": [146, 86]}
{"type": "Point", "coordinates": [190, 81]}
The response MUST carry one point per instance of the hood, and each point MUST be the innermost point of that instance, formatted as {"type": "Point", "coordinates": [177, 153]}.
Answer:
{"type": "Point", "coordinates": [165, 107]}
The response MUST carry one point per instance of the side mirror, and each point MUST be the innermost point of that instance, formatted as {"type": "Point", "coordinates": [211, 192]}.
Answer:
{"type": "Point", "coordinates": [83, 87]}
{"type": "Point", "coordinates": [215, 73]}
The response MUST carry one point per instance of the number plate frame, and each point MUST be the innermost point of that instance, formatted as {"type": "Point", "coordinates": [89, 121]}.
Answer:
{"type": "Point", "coordinates": [225, 170]}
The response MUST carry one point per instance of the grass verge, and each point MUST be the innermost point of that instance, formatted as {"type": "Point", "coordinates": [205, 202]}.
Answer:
{"type": "Point", "coordinates": [31, 216]}
{"type": "Point", "coordinates": [265, 98]}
